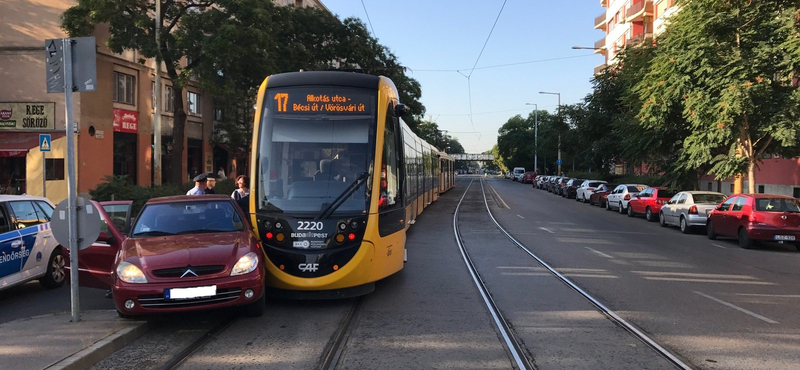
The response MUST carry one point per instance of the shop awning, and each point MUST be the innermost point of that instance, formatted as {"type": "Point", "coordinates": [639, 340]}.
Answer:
{"type": "Point", "coordinates": [5, 153]}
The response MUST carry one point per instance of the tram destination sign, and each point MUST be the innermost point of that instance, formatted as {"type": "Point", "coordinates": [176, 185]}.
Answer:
{"type": "Point", "coordinates": [322, 101]}
{"type": "Point", "coordinates": [27, 116]}
{"type": "Point", "coordinates": [472, 157]}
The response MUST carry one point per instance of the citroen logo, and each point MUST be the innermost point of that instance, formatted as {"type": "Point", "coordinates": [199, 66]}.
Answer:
{"type": "Point", "coordinates": [188, 271]}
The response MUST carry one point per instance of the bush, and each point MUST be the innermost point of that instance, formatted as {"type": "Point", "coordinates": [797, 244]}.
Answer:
{"type": "Point", "coordinates": [120, 188]}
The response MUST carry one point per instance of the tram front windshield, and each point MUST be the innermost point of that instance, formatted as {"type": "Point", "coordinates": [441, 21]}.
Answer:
{"type": "Point", "coordinates": [315, 149]}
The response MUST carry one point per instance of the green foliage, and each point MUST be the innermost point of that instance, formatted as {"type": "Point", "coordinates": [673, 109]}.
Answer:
{"type": "Point", "coordinates": [120, 188]}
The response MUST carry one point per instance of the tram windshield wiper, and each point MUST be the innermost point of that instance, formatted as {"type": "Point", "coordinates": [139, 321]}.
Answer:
{"type": "Point", "coordinates": [340, 199]}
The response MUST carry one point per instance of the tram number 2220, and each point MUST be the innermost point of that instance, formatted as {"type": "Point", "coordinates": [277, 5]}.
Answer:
{"type": "Point", "coordinates": [309, 226]}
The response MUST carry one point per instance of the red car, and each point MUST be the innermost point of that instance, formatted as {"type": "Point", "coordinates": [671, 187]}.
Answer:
{"type": "Point", "coordinates": [600, 194]}
{"type": "Point", "coordinates": [182, 253]}
{"type": "Point", "coordinates": [756, 217]}
{"type": "Point", "coordinates": [528, 177]}
{"type": "Point", "coordinates": [649, 202]}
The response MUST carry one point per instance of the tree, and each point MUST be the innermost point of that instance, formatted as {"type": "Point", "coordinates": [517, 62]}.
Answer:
{"type": "Point", "coordinates": [724, 66]}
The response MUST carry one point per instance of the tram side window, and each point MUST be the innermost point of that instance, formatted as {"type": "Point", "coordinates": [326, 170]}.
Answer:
{"type": "Point", "coordinates": [390, 170]}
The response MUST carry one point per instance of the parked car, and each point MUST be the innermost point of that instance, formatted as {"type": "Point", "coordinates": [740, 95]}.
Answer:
{"type": "Point", "coordinates": [600, 194]}
{"type": "Point", "coordinates": [560, 185]}
{"type": "Point", "coordinates": [583, 193]}
{"type": "Point", "coordinates": [528, 177]}
{"type": "Point", "coordinates": [619, 197]}
{"type": "Point", "coordinates": [509, 175]}
{"type": "Point", "coordinates": [689, 209]}
{"type": "Point", "coordinates": [519, 172]}
{"type": "Point", "coordinates": [182, 253]}
{"type": "Point", "coordinates": [542, 180]}
{"type": "Point", "coordinates": [571, 188]}
{"type": "Point", "coordinates": [649, 201]}
{"type": "Point", "coordinates": [27, 246]}
{"type": "Point", "coordinates": [756, 217]}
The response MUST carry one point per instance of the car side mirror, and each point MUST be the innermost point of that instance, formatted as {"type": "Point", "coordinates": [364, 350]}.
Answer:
{"type": "Point", "coordinates": [106, 238]}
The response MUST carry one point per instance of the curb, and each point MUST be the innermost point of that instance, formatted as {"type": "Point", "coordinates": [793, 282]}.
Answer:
{"type": "Point", "coordinates": [101, 349]}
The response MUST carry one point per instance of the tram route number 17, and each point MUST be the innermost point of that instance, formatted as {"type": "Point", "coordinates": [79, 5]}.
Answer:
{"type": "Point", "coordinates": [283, 99]}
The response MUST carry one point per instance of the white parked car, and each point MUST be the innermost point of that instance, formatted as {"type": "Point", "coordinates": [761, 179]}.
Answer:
{"type": "Point", "coordinates": [689, 209]}
{"type": "Point", "coordinates": [585, 190]}
{"type": "Point", "coordinates": [619, 197]}
{"type": "Point", "coordinates": [28, 249]}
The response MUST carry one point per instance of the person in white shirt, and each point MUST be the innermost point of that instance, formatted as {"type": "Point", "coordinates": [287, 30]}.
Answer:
{"type": "Point", "coordinates": [221, 174]}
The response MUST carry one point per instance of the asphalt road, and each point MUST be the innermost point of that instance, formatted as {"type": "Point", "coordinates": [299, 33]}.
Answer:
{"type": "Point", "coordinates": [31, 299]}
{"type": "Point", "coordinates": [711, 302]}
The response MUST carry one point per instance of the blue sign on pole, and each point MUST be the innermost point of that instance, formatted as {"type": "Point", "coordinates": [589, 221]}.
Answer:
{"type": "Point", "coordinates": [558, 162]}
{"type": "Point", "coordinates": [44, 142]}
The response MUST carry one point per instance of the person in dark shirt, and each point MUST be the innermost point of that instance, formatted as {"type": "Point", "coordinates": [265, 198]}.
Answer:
{"type": "Point", "coordinates": [211, 182]}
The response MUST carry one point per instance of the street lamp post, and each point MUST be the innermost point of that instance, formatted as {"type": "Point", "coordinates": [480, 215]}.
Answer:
{"type": "Point", "coordinates": [157, 113]}
{"type": "Point", "coordinates": [535, 136]}
{"type": "Point", "coordinates": [559, 132]}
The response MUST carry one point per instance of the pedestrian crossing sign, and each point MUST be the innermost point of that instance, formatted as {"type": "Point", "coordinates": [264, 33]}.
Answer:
{"type": "Point", "coordinates": [44, 142]}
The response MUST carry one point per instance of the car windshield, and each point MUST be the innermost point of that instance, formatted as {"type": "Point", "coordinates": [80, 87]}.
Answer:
{"type": "Point", "coordinates": [187, 218]}
{"type": "Point", "coordinates": [708, 198]}
{"type": "Point", "coordinates": [777, 205]}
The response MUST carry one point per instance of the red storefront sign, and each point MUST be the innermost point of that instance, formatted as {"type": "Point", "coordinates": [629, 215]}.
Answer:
{"type": "Point", "coordinates": [126, 121]}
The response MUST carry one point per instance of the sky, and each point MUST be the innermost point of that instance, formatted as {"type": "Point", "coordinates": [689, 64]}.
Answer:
{"type": "Point", "coordinates": [529, 50]}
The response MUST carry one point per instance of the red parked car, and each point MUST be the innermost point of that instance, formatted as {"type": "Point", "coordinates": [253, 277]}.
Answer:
{"type": "Point", "coordinates": [649, 202]}
{"type": "Point", "coordinates": [182, 253]}
{"type": "Point", "coordinates": [528, 177]}
{"type": "Point", "coordinates": [756, 217]}
{"type": "Point", "coordinates": [600, 194]}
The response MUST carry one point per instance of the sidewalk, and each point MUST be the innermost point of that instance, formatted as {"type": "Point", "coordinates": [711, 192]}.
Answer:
{"type": "Point", "coordinates": [54, 342]}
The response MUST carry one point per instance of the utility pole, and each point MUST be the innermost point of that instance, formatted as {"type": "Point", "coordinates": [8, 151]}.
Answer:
{"type": "Point", "coordinates": [535, 137]}
{"type": "Point", "coordinates": [157, 92]}
{"type": "Point", "coordinates": [558, 111]}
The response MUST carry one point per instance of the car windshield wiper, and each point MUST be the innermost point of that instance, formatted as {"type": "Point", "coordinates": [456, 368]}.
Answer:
{"type": "Point", "coordinates": [152, 233]}
{"type": "Point", "coordinates": [340, 199]}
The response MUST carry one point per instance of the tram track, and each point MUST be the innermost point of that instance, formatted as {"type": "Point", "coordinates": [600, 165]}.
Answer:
{"type": "Point", "coordinates": [608, 313]}
{"type": "Point", "coordinates": [186, 352]}
{"type": "Point", "coordinates": [512, 343]}
{"type": "Point", "coordinates": [333, 351]}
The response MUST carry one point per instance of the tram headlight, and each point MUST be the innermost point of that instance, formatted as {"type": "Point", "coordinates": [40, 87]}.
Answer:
{"type": "Point", "coordinates": [246, 263]}
{"type": "Point", "coordinates": [130, 273]}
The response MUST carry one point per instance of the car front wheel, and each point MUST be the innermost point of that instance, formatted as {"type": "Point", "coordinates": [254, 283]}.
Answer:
{"type": "Point", "coordinates": [54, 276]}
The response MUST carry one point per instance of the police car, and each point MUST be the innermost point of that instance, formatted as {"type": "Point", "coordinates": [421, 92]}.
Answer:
{"type": "Point", "coordinates": [28, 249]}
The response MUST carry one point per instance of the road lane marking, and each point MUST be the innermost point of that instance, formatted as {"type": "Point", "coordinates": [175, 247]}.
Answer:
{"type": "Point", "coordinates": [719, 246]}
{"type": "Point", "coordinates": [737, 308]}
{"type": "Point", "coordinates": [599, 253]}
{"type": "Point", "coordinates": [549, 231]}
{"type": "Point", "coordinates": [521, 217]}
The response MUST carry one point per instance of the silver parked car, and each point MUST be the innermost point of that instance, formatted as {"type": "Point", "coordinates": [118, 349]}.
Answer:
{"type": "Point", "coordinates": [689, 209]}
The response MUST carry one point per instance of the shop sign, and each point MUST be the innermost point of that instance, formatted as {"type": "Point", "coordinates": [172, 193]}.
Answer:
{"type": "Point", "coordinates": [126, 121]}
{"type": "Point", "coordinates": [27, 116]}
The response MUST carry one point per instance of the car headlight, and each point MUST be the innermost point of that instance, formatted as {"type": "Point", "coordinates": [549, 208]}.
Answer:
{"type": "Point", "coordinates": [246, 264]}
{"type": "Point", "coordinates": [130, 273]}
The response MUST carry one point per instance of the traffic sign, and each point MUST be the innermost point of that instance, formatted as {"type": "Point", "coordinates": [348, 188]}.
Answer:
{"type": "Point", "coordinates": [88, 223]}
{"type": "Point", "coordinates": [44, 142]}
{"type": "Point", "coordinates": [84, 64]}
{"type": "Point", "coordinates": [558, 162]}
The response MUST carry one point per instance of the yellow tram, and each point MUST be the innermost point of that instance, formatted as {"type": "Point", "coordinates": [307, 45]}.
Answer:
{"type": "Point", "coordinates": [336, 179]}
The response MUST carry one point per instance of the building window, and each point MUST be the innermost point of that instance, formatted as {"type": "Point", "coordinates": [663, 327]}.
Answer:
{"type": "Point", "coordinates": [55, 169]}
{"type": "Point", "coordinates": [218, 114]}
{"type": "Point", "coordinates": [710, 186]}
{"type": "Point", "coordinates": [761, 189]}
{"type": "Point", "coordinates": [124, 88]}
{"type": "Point", "coordinates": [796, 192]}
{"type": "Point", "coordinates": [731, 188]}
{"type": "Point", "coordinates": [169, 102]}
{"type": "Point", "coordinates": [193, 99]}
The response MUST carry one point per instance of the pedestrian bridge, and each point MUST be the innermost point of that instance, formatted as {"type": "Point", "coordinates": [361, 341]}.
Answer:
{"type": "Point", "coordinates": [472, 157]}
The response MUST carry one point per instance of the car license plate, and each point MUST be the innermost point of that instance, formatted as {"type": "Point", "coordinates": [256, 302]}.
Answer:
{"type": "Point", "coordinates": [189, 293]}
{"type": "Point", "coordinates": [783, 237]}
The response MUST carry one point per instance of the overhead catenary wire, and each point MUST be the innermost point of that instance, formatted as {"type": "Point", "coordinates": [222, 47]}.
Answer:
{"type": "Point", "coordinates": [368, 20]}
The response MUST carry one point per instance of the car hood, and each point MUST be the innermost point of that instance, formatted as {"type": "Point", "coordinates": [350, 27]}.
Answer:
{"type": "Point", "coordinates": [182, 250]}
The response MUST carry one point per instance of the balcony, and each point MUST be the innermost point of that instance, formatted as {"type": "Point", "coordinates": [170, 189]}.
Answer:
{"type": "Point", "coordinates": [604, 3]}
{"type": "Point", "coordinates": [633, 40]}
{"type": "Point", "coordinates": [599, 44]}
{"type": "Point", "coordinates": [637, 11]}
{"type": "Point", "coordinates": [599, 68]}
{"type": "Point", "coordinates": [600, 22]}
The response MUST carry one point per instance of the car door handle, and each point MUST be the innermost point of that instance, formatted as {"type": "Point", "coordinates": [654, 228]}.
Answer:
{"type": "Point", "coordinates": [16, 244]}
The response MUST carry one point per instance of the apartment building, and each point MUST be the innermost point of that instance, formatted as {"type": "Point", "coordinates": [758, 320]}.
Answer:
{"type": "Point", "coordinates": [626, 22]}
{"type": "Point", "coordinates": [114, 123]}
